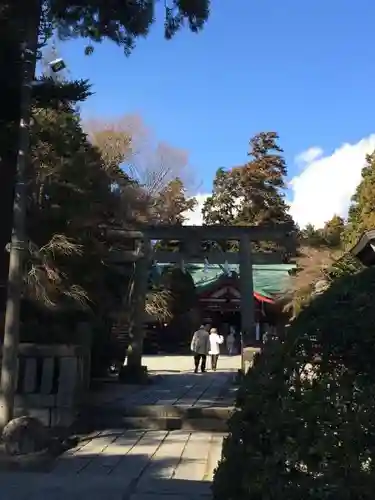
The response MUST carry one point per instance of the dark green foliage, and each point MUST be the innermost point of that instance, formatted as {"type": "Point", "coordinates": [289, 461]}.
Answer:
{"type": "Point", "coordinates": [183, 304]}
{"type": "Point", "coordinates": [171, 204]}
{"type": "Point", "coordinates": [252, 194]}
{"type": "Point", "coordinates": [182, 289]}
{"type": "Point", "coordinates": [333, 230]}
{"type": "Point", "coordinates": [330, 236]}
{"type": "Point", "coordinates": [347, 264]}
{"type": "Point", "coordinates": [54, 94]}
{"type": "Point", "coordinates": [121, 21]}
{"type": "Point", "coordinates": [298, 437]}
{"type": "Point", "coordinates": [69, 196]}
{"type": "Point", "coordinates": [312, 237]}
{"type": "Point", "coordinates": [361, 216]}
{"type": "Point", "coordinates": [221, 207]}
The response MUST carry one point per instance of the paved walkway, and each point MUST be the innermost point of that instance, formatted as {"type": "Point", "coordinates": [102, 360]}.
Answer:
{"type": "Point", "coordinates": [178, 386]}
{"type": "Point", "coordinates": [134, 464]}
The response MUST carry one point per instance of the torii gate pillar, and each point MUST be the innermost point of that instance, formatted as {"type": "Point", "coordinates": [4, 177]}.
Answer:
{"type": "Point", "coordinates": [247, 291]}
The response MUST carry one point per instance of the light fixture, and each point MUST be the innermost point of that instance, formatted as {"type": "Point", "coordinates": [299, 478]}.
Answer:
{"type": "Point", "coordinates": [57, 65]}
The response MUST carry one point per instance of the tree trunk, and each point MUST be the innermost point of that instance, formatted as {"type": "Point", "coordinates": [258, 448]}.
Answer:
{"type": "Point", "coordinates": [9, 367]}
{"type": "Point", "coordinates": [11, 36]}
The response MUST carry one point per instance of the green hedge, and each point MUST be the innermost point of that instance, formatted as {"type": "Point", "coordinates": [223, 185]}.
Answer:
{"type": "Point", "coordinates": [294, 437]}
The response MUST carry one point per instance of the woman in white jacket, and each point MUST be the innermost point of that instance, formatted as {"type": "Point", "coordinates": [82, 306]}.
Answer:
{"type": "Point", "coordinates": [215, 341]}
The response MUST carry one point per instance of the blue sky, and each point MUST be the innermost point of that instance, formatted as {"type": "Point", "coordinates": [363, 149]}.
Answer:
{"type": "Point", "coordinates": [305, 69]}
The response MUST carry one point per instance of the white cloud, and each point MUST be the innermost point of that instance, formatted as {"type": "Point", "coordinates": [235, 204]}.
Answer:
{"type": "Point", "coordinates": [326, 184]}
{"type": "Point", "coordinates": [308, 156]}
{"type": "Point", "coordinates": [194, 217]}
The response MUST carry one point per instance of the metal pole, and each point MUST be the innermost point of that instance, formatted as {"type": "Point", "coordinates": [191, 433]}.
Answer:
{"type": "Point", "coordinates": [9, 365]}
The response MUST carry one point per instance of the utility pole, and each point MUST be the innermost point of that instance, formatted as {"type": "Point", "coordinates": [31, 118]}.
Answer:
{"type": "Point", "coordinates": [18, 246]}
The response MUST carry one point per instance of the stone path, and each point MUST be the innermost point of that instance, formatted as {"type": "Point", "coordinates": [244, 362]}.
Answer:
{"type": "Point", "coordinates": [176, 394]}
{"type": "Point", "coordinates": [178, 386]}
{"type": "Point", "coordinates": [133, 464]}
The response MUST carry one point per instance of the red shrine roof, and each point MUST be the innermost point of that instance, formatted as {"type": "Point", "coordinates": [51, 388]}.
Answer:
{"type": "Point", "coordinates": [227, 289]}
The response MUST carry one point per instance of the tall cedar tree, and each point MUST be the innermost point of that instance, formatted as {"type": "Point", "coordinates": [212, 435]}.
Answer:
{"type": "Point", "coordinates": [253, 193]}
{"type": "Point", "coordinates": [262, 182]}
{"type": "Point", "coordinates": [121, 21]}
{"type": "Point", "coordinates": [361, 216]}
{"type": "Point", "coordinates": [222, 206]}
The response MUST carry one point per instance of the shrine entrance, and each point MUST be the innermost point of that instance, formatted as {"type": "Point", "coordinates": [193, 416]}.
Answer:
{"type": "Point", "coordinates": [140, 248]}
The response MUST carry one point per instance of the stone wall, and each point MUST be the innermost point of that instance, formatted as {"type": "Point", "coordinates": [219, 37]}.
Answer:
{"type": "Point", "coordinates": [52, 382]}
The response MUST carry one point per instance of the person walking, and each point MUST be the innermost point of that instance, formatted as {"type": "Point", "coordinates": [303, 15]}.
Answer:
{"type": "Point", "coordinates": [231, 340]}
{"type": "Point", "coordinates": [200, 345]}
{"type": "Point", "coordinates": [215, 341]}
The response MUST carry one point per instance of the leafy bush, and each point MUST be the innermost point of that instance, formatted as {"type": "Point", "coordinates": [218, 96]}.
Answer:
{"type": "Point", "coordinates": [305, 421]}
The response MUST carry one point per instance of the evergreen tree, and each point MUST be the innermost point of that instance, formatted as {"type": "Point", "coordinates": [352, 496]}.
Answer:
{"type": "Point", "coordinates": [122, 22]}
{"type": "Point", "coordinates": [311, 237]}
{"type": "Point", "coordinates": [329, 235]}
{"type": "Point", "coordinates": [222, 206]}
{"type": "Point", "coordinates": [171, 204]}
{"type": "Point", "coordinates": [251, 194]}
{"type": "Point", "coordinates": [263, 183]}
{"type": "Point", "coordinates": [333, 231]}
{"type": "Point", "coordinates": [361, 216]}
{"type": "Point", "coordinates": [69, 195]}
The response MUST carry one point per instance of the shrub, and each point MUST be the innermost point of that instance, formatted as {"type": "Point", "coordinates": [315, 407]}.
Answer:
{"type": "Point", "coordinates": [305, 421]}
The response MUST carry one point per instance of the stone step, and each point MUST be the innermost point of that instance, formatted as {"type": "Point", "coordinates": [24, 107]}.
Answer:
{"type": "Point", "coordinates": [156, 417]}
{"type": "Point", "coordinates": [164, 411]}
{"type": "Point", "coordinates": [160, 423]}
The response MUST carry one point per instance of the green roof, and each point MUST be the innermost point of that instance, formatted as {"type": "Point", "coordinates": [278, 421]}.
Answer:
{"type": "Point", "coordinates": [270, 280]}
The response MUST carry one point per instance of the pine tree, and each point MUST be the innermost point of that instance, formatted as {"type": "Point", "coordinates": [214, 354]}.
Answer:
{"type": "Point", "coordinates": [361, 216]}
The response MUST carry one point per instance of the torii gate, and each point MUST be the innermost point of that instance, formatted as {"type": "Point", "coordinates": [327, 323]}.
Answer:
{"type": "Point", "coordinates": [191, 238]}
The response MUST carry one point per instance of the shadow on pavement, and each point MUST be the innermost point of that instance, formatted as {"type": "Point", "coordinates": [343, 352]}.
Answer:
{"type": "Point", "coordinates": [175, 401]}
{"type": "Point", "coordinates": [113, 476]}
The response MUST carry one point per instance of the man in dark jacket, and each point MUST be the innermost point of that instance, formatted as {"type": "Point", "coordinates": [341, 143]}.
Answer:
{"type": "Point", "coordinates": [200, 345]}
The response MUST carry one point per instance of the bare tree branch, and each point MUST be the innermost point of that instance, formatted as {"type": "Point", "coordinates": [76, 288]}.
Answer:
{"type": "Point", "coordinates": [127, 141]}
{"type": "Point", "coordinates": [158, 304]}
